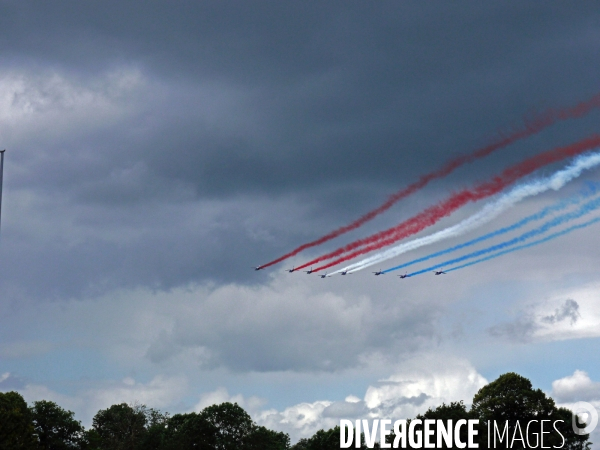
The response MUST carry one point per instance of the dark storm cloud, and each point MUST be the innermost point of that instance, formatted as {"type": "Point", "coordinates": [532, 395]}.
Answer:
{"type": "Point", "coordinates": [309, 112]}
{"type": "Point", "coordinates": [338, 92]}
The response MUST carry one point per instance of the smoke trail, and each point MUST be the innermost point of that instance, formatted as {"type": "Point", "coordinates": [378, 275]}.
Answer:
{"type": "Point", "coordinates": [531, 244]}
{"type": "Point", "coordinates": [530, 128]}
{"type": "Point", "coordinates": [489, 212]}
{"type": "Point", "coordinates": [444, 208]}
{"type": "Point", "coordinates": [557, 221]}
{"type": "Point", "coordinates": [594, 187]}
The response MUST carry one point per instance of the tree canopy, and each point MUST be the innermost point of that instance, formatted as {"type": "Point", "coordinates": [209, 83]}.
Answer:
{"type": "Point", "coordinates": [47, 426]}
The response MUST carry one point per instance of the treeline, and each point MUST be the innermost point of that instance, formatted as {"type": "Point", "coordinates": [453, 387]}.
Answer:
{"type": "Point", "coordinates": [45, 425]}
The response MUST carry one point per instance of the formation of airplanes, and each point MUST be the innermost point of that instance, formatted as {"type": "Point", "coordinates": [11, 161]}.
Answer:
{"type": "Point", "coordinates": [345, 272]}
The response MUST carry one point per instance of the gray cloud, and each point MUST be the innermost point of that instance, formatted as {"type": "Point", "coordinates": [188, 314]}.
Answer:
{"type": "Point", "coordinates": [140, 120]}
{"type": "Point", "coordinates": [568, 310]}
{"type": "Point", "coordinates": [291, 328]}
{"type": "Point", "coordinates": [523, 328]}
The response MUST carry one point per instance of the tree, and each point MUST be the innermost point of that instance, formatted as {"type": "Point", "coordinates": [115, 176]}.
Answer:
{"type": "Point", "coordinates": [454, 411]}
{"type": "Point", "coordinates": [189, 431]}
{"type": "Point", "coordinates": [511, 398]}
{"type": "Point", "coordinates": [55, 427]}
{"type": "Point", "coordinates": [16, 425]}
{"type": "Point", "coordinates": [233, 424]}
{"type": "Point", "coordinates": [156, 426]}
{"type": "Point", "coordinates": [121, 427]}
{"type": "Point", "coordinates": [325, 440]}
{"type": "Point", "coordinates": [262, 438]}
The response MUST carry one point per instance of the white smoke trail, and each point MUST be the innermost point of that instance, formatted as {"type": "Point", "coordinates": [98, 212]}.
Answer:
{"type": "Point", "coordinates": [489, 211]}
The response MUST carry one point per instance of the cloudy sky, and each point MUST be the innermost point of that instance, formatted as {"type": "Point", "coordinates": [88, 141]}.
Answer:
{"type": "Point", "coordinates": [157, 151]}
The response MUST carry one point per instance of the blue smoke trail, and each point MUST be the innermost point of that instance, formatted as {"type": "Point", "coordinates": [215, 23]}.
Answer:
{"type": "Point", "coordinates": [559, 220]}
{"type": "Point", "coordinates": [531, 244]}
{"type": "Point", "coordinates": [592, 189]}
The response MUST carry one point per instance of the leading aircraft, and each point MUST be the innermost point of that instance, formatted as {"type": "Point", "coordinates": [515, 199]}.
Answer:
{"type": "Point", "coordinates": [258, 268]}
{"type": "Point", "coordinates": [439, 272]}
{"type": "Point", "coordinates": [379, 273]}
{"type": "Point", "coordinates": [290, 270]}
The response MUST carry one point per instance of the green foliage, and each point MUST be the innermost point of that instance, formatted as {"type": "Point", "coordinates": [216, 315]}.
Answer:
{"type": "Point", "coordinates": [232, 423]}
{"type": "Point", "coordinates": [262, 438]}
{"type": "Point", "coordinates": [454, 411]}
{"type": "Point", "coordinates": [16, 424]}
{"type": "Point", "coordinates": [325, 440]}
{"type": "Point", "coordinates": [55, 427]}
{"type": "Point", "coordinates": [189, 431]}
{"type": "Point", "coordinates": [121, 427]}
{"type": "Point", "coordinates": [573, 441]}
{"type": "Point", "coordinates": [46, 426]}
{"type": "Point", "coordinates": [512, 398]}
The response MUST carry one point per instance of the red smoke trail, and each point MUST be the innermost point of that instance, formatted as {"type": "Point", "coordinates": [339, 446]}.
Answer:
{"type": "Point", "coordinates": [530, 128]}
{"type": "Point", "coordinates": [434, 213]}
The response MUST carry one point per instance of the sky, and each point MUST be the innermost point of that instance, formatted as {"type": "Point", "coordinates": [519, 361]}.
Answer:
{"type": "Point", "coordinates": [156, 152]}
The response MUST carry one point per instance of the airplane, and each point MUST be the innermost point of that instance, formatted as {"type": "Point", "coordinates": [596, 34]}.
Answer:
{"type": "Point", "coordinates": [309, 271]}
{"type": "Point", "coordinates": [290, 270]}
{"type": "Point", "coordinates": [258, 268]}
{"type": "Point", "coordinates": [323, 276]}
{"type": "Point", "coordinates": [345, 272]}
{"type": "Point", "coordinates": [439, 272]}
{"type": "Point", "coordinates": [379, 273]}
{"type": "Point", "coordinates": [403, 276]}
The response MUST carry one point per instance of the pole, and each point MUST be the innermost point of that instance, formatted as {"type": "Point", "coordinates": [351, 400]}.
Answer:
{"type": "Point", "coordinates": [1, 176]}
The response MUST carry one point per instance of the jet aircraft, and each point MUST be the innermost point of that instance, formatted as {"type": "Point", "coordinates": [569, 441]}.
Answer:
{"type": "Point", "coordinates": [403, 276]}
{"type": "Point", "coordinates": [379, 273]}
{"type": "Point", "coordinates": [439, 272]}
{"type": "Point", "coordinates": [309, 271]}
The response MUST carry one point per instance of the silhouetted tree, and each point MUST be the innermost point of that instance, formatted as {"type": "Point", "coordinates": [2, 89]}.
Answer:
{"type": "Point", "coordinates": [189, 431]}
{"type": "Point", "coordinates": [262, 438]}
{"type": "Point", "coordinates": [16, 424]}
{"type": "Point", "coordinates": [232, 423]}
{"type": "Point", "coordinates": [55, 427]}
{"type": "Point", "coordinates": [120, 427]}
{"type": "Point", "coordinates": [512, 398]}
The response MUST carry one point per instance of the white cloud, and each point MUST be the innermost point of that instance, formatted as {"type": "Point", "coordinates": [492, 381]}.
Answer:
{"type": "Point", "coordinates": [422, 382]}
{"type": "Point", "coordinates": [565, 314]}
{"type": "Point", "coordinates": [585, 325]}
{"type": "Point", "coordinates": [578, 387]}
{"type": "Point", "coordinates": [221, 395]}
{"type": "Point", "coordinates": [575, 388]}
{"type": "Point", "coordinates": [301, 420]}
{"type": "Point", "coordinates": [425, 381]}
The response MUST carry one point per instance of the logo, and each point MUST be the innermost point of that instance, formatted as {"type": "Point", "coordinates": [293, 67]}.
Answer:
{"type": "Point", "coordinates": [584, 414]}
